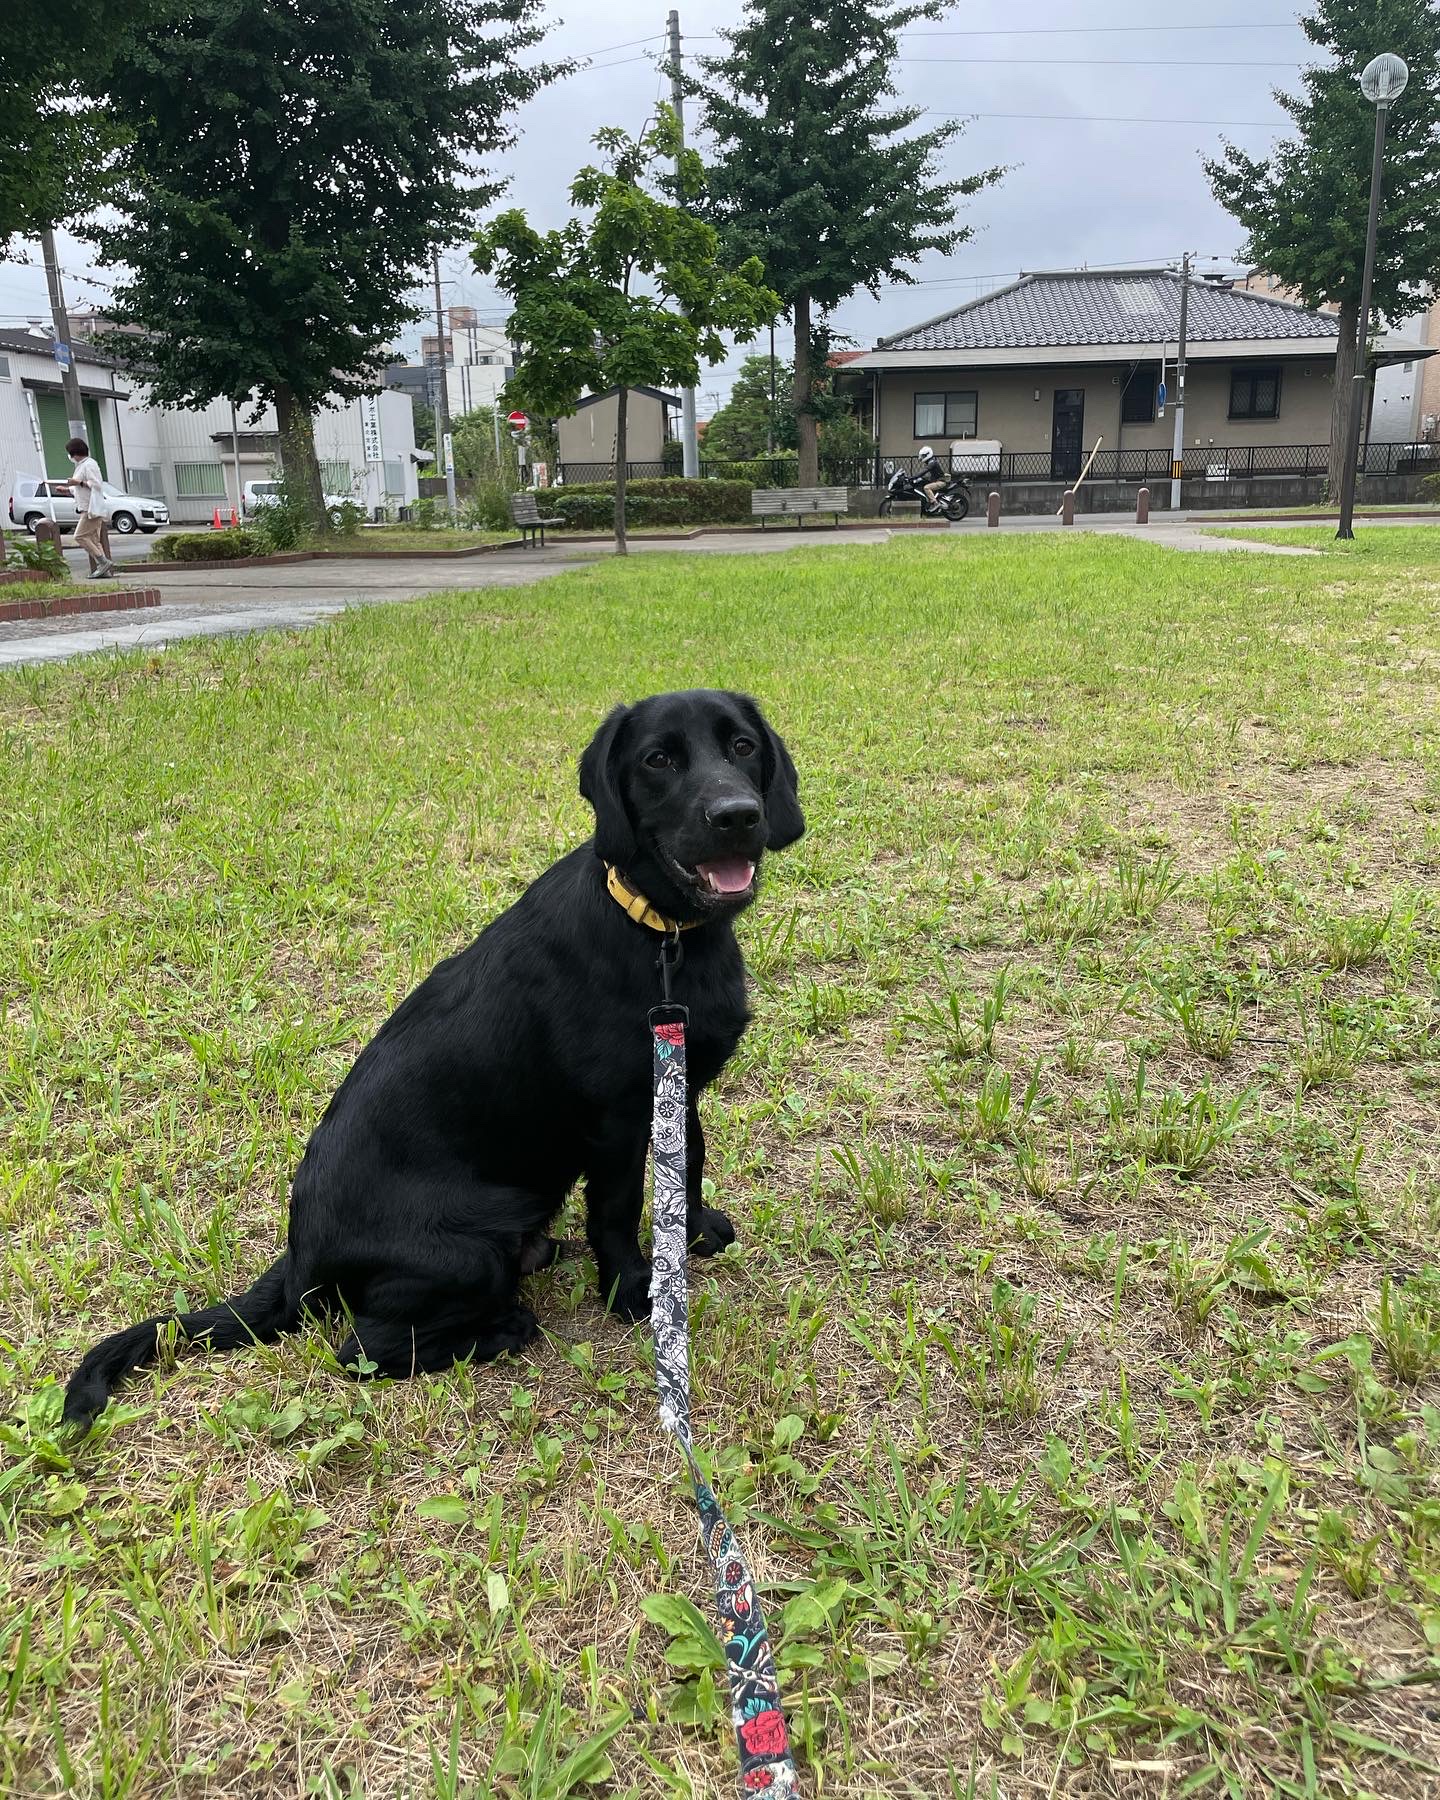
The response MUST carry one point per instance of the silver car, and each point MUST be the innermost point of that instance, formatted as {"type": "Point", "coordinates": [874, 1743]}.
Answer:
{"type": "Point", "coordinates": [33, 498]}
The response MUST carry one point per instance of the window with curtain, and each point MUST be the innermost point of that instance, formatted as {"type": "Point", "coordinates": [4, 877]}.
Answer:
{"type": "Point", "coordinates": [953, 415]}
{"type": "Point", "coordinates": [335, 477]}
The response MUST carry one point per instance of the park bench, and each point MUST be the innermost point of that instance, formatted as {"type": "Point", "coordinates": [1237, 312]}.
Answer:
{"type": "Point", "coordinates": [797, 503]}
{"type": "Point", "coordinates": [526, 515]}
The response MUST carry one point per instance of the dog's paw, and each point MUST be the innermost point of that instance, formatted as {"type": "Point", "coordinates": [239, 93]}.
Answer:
{"type": "Point", "coordinates": [627, 1293]}
{"type": "Point", "coordinates": [513, 1332]}
{"type": "Point", "coordinates": [710, 1232]}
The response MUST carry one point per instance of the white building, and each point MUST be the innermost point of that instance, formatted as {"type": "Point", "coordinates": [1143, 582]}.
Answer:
{"type": "Point", "coordinates": [477, 361]}
{"type": "Point", "coordinates": [186, 457]}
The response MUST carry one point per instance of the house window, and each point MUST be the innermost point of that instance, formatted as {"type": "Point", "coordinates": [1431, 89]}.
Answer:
{"type": "Point", "coordinates": [1255, 392]}
{"type": "Point", "coordinates": [199, 481]}
{"type": "Point", "coordinates": [336, 477]}
{"type": "Point", "coordinates": [1137, 404]}
{"type": "Point", "coordinates": [946, 415]}
{"type": "Point", "coordinates": [4, 368]}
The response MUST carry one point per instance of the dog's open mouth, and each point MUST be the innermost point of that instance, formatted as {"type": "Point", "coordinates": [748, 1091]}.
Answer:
{"type": "Point", "coordinates": [727, 877]}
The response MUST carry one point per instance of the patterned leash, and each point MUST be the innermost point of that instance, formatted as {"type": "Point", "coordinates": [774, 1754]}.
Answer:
{"type": "Point", "coordinates": [761, 1738]}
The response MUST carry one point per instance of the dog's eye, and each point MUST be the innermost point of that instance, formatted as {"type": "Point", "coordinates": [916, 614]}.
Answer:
{"type": "Point", "coordinates": [744, 746]}
{"type": "Point", "coordinates": [657, 759]}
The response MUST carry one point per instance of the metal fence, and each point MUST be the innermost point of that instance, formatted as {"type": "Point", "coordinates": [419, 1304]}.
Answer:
{"type": "Point", "coordinates": [1232, 462]}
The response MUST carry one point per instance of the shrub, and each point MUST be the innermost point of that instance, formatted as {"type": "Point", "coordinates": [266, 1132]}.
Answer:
{"type": "Point", "coordinates": [487, 508]}
{"type": "Point", "coordinates": [656, 502]}
{"type": "Point", "coordinates": [283, 522]}
{"type": "Point", "coordinates": [1430, 487]}
{"type": "Point", "coordinates": [208, 546]}
{"type": "Point", "coordinates": [41, 558]}
{"type": "Point", "coordinates": [424, 513]}
{"type": "Point", "coordinates": [345, 519]}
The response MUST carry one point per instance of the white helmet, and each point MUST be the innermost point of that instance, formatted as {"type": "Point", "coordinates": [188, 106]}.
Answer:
{"type": "Point", "coordinates": [926, 453]}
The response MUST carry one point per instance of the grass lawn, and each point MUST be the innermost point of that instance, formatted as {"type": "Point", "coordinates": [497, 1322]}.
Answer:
{"type": "Point", "coordinates": [1417, 545]}
{"type": "Point", "coordinates": [43, 590]}
{"type": "Point", "coordinates": [1074, 1381]}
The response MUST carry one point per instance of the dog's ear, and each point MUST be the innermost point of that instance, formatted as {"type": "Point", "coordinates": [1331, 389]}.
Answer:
{"type": "Point", "coordinates": [784, 820]}
{"type": "Point", "coordinates": [600, 784]}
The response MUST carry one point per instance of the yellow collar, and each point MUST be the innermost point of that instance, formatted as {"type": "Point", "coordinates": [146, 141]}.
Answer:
{"type": "Point", "coordinates": [637, 907]}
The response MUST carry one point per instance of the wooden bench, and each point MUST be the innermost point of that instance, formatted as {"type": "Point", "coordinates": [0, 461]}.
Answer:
{"type": "Point", "coordinates": [797, 503]}
{"type": "Point", "coordinates": [526, 515]}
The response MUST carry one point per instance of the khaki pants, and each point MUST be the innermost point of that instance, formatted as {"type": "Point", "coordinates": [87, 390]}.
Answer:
{"type": "Point", "coordinates": [90, 537]}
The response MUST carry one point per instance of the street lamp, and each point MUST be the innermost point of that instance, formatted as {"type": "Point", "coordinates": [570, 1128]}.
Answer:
{"type": "Point", "coordinates": [1382, 81]}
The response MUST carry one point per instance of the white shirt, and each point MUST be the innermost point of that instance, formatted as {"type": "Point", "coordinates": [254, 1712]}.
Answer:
{"type": "Point", "coordinates": [87, 484]}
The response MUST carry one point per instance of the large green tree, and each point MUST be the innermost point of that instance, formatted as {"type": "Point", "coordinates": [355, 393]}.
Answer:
{"type": "Point", "coordinates": [813, 169]}
{"type": "Point", "coordinates": [1305, 207]}
{"type": "Point", "coordinates": [56, 133]}
{"type": "Point", "coordinates": [747, 426]}
{"type": "Point", "coordinates": [290, 165]}
{"type": "Point", "coordinates": [635, 294]}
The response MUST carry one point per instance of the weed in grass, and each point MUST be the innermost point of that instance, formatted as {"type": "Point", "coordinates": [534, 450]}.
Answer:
{"type": "Point", "coordinates": [825, 1009]}
{"type": "Point", "coordinates": [1198, 1282]}
{"type": "Point", "coordinates": [882, 1179]}
{"type": "Point", "coordinates": [1353, 943]}
{"type": "Point", "coordinates": [1208, 1032]}
{"type": "Point", "coordinates": [1176, 1131]}
{"type": "Point", "coordinates": [1066, 913]}
{"type": "Point", "coordinates": [1144, 887]}
{"type": "Point", "coordinates": [1352, 1554]}
{"type": "Point", "coordinates": [1330, 1046]}
{"type": "Point", "coordinates": [1407, 1325]}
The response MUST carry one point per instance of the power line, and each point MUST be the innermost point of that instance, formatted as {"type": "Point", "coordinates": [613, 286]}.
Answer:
{"type": "Point", "coordinates": [1101, 62]}
{"type": "Point", "coordinates": [1090, 30]}
{"type": "Point", "coordinates": [1109, 119]}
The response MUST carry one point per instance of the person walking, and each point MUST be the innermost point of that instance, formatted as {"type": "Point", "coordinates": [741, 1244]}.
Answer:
{"type": "Point", "coordinates": [88, 486]}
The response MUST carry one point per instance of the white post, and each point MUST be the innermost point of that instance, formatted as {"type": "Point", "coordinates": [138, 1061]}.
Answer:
{"type": "Point", "coordinates": [1177, 453]}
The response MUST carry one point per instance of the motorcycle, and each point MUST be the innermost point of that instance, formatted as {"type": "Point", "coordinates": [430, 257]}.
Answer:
{"type": "Point", "coordinates": [952, 502]}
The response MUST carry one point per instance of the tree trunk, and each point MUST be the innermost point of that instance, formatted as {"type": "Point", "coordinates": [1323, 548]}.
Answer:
{"type": "Point", "coordinates": [1341, 398]}
{"type": "Point", "coordinates": [808, 474]}
{"type": "Point", "coordinates": [298, 460]}
{"type": "Point", "coordinates": [622, 398]}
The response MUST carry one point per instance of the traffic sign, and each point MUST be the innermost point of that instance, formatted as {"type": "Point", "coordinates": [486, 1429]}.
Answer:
{"type": "Point", "coordinates": [517, 421]}
{"type": "Point", "coordinates": [61, 353]}
{"type": "Point", "coordinates": [1160, 401]}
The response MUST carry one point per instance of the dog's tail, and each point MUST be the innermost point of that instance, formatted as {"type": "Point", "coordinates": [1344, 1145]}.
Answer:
{"type": "Point", "coordinates": [261, 1313]}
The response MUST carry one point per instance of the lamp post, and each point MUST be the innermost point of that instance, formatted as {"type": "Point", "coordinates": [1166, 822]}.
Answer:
{"type": "Point", "coordinates": [1382, 81]}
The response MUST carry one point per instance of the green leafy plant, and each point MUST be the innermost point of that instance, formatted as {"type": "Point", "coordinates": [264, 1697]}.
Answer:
{"type": "Point", "coordinates": [39, 556]}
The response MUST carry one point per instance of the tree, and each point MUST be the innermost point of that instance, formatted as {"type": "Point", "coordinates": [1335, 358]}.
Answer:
{"type": "Point", "coordinates": [475, 454]}
{"type": "Point", "coordinates": [289, 169]}
{"type": "Point", "coordinates": [55, 131]}
{"type": "Point", "coordinates": [813, 173]}
{"type": "Point", "coordinates": [1305, 208]}
{"type": "Point", "coordinates": [580, 320]}
{"type": "Point", "coordinates": [745, 426]}
{"type": "Point", "coordinates": [424, 424]}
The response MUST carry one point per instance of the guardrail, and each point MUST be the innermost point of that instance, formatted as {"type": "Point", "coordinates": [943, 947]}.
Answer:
{"type": "Point", "coordinates": [1230, 462]}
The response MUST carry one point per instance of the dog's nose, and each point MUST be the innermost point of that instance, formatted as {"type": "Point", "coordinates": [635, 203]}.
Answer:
{"type": "Point", "coordinates": [733, 815]}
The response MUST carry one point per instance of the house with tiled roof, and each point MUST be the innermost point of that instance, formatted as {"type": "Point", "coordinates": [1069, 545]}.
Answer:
{"type": "Point", "coordinates": [1040, 371]}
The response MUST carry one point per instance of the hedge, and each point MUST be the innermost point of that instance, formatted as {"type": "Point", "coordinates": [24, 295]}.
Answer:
{"type": "Point", "coordinates": [210, 546]}
{"type": "Point", "coordinates": [658, 502]}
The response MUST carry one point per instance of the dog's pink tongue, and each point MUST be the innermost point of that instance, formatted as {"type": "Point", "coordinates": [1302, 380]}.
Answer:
{"type": "Point", "coordinates": [730, 875]}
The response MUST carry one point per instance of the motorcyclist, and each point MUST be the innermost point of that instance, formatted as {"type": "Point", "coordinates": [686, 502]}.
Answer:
{"type": "Point", "coordinates": [932, 476]}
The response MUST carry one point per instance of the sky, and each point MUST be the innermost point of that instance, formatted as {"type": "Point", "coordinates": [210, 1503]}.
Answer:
{"type": "Point", "coordinates": [1100, 114]}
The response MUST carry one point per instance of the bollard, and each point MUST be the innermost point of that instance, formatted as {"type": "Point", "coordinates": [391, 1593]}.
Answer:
{"type": "Point", "coordinates": [48, 532]}
{"type": "Point", "coordinates": [992, 509]}
{"type": "Point", "coordinates": [1142, 507]}
{"type": "Point", "coordinates": [1067, 508]}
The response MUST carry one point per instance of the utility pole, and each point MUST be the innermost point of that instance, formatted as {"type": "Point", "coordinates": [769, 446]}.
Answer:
{"type": "Point", "coordinates": [770, 416]}
{"type": "Point", "coordinates": [444, 443]}
{"type": "Point", "coordinates": [69, 380]}
{"type": "Point", "coordinates": [689, 438]}
{"type": "Point", "coordinates": [1177, 454]}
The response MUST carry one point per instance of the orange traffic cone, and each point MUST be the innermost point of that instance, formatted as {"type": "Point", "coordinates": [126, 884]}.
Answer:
{"type": "Point", "coordinates": [215, 520]}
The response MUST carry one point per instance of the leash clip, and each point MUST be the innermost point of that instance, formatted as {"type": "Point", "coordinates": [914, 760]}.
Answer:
{"type": "Point", "coordinates": [672, 955]}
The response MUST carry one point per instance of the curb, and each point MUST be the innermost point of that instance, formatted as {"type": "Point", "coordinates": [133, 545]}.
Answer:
{"type": "Point", "coordinates": [125, 600]}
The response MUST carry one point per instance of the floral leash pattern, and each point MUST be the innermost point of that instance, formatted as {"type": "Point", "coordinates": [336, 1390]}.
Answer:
{"type": "Point", "coordinates": [761, 1737]}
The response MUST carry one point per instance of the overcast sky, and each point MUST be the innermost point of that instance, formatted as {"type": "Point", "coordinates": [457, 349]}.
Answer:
{"type": "Point", "coordinates": [1101, 115]}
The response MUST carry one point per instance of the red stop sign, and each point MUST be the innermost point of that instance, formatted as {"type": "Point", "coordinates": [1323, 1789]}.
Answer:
{"type": "Point", "coordinates": [518, 420]}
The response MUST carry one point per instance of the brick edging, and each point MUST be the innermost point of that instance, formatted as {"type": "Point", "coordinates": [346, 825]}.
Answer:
{"type": "Point", "coordinates": [106, 600]}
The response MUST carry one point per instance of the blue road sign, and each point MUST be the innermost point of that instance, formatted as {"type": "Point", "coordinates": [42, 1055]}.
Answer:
{"type": "Point", "coordinates": [61, 353]}
{"type": "Point", "coordinates": [1160, 399]}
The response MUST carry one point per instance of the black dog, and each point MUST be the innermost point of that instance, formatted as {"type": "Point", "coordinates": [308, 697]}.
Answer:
{"type": "Point", "coordinates": [522, 1064]}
